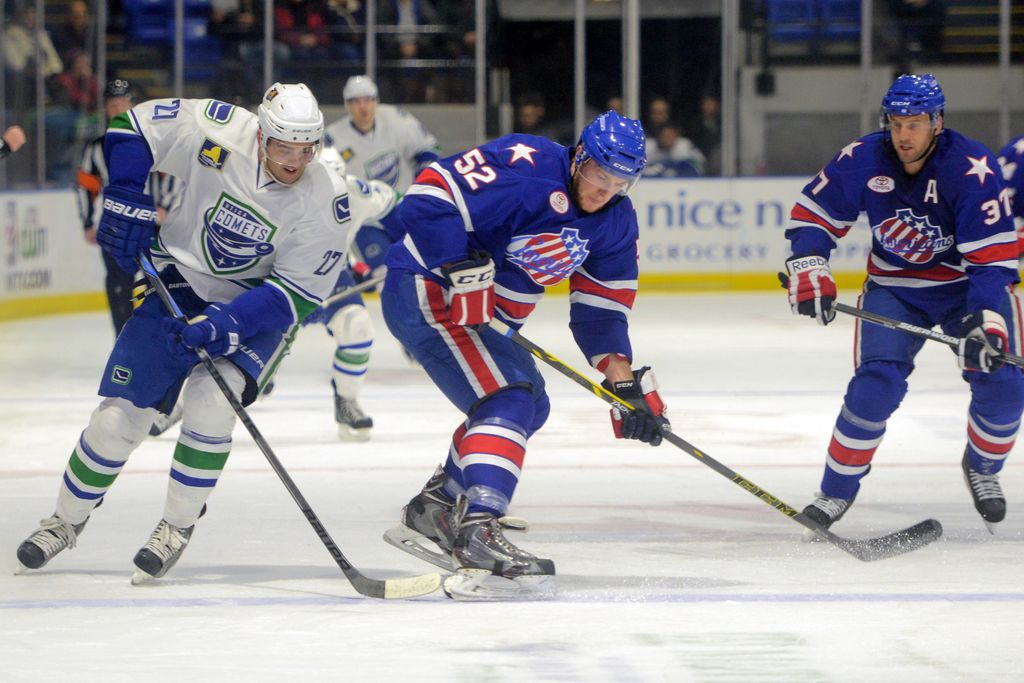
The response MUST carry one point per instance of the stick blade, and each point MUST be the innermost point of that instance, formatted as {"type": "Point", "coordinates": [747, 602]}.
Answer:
{"type": "Point", "coordinates": [396, 589]}
{"type": "Point", "coordinates": [894, 544]}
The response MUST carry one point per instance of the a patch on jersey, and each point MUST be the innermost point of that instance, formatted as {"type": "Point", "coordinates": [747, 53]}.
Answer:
{"type": "Point", "coordinates": [212, 155]}
{"type": "Point", "coordinates": [342, 212]}
{"type": "Point", "coordinates": [383, 168]}
{"type": "Point", "coordinates": [881, 183]}
{"type": "Point", "coordinates": [235, 236]}
{"type": "Point", "coordinates": [979, 167]}
{"type": "Point", "coordinates": [219, 112]}
{"type": "Point", "coordinates": [347, 154]}
{"type": "Point", "coordinates": [120, 375]}
{"type": "Point", "coordinates": [549, 258]}
{"type": "Point", "coordinates": [913, 238]}
{"type": "Point", "coordinates": [558, 201]}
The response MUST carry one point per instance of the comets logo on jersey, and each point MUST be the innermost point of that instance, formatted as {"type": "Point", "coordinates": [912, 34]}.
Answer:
{"type": "Point", "coordinates": [213, 155]}
{"type": "Point", "coordinates": [911, 237]}
{"type": "Point", "coordinates": [384, 168]}
{"type": "Point", "coordinates": [549, 258]}
{"type": "Point", "coordinates": [235, 237]}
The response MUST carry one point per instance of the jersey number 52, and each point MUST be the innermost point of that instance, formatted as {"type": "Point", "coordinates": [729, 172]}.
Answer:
{"type": "Point", "coordinates": [472, 167]}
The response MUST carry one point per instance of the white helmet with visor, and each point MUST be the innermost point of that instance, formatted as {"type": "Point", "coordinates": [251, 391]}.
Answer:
{"type": "Point", "coordinates": [290, 114]}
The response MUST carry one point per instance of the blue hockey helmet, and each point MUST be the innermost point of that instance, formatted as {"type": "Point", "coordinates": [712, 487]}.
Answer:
{"type": "Point", "coordinates": [910, 95]}
{"type": "Point", "coordinates": [616, 143]}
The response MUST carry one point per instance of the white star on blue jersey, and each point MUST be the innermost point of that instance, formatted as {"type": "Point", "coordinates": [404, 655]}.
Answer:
{"type": "Point", "coordinates": [521, 151]}
{"type": "Point", "coordinates": [979, 167]}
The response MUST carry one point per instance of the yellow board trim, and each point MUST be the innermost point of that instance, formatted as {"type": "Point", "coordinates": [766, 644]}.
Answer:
{"type": "Point", "coordinates": [39, 306]}
{"type": "Point", "coordinates": [720, 282]}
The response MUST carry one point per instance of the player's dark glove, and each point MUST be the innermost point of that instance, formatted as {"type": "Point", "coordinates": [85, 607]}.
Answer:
{"type": "Point", "coordinates": [812, 289]}
{"type": "Point", "coordinates": [127, 225]}
{"type": "Point", "coordinates": [984, 338]}
{"type": "Point", "coordinates": [217, 330]}
{"type": "Point", "coordinates": [647, 420]}
{"type": "Point", "coordinates": [471, 288]}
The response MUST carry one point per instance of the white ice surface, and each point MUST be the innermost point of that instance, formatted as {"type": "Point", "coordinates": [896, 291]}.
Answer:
{"type": "Point", "coordinates": [667, 571]}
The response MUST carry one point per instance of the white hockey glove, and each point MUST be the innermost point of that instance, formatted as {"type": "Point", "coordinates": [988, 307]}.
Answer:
{"type": "Point", "coordinates": [471, 287]}
{"type": "Point", "coordinates": [812, 289]}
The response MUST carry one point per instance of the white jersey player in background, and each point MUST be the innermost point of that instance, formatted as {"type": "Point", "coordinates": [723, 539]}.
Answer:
{"type": "Point", "coordinates": [347, 319]}
{"type": "Point", "coordinates": [378, 143]}
{"type": "Point", "coordinates": [255, 247]}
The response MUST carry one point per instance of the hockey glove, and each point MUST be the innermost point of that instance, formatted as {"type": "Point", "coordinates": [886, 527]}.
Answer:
{"type": "Point", "coordinates": [127, 225]}
{"type": "Point", "coordinates": [647, 420]}
{"type": "Point", "coordinates": [985, 337]}
{"type": "Point", "coordinates": [471, 288]}
{"type": "Point", "coordinates": [812, 290]}
{"type": "Point", "coordinates": [217, 330]}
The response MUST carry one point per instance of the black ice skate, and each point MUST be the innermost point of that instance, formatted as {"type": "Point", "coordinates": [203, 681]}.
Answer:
{"type": "Point", "coordinates": [162, 550]}
{"type": "Point", "coordinates": [52, 536]}
{"type": "Point", "coordinates": [826, 511]}
{"type": "Point", "coordinates": [427, 517]}
{"type": "Point", "coordinates": [987, 494]}
{"type": "Point", "coordinates": [353, 423]}
{"type": "Point", "coordinates": [488, 566]}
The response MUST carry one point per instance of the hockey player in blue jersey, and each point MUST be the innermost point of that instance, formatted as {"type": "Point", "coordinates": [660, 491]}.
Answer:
{"type": "Point", "coordinates": [1011, 160]}
{"type": "Point", "coordinates": [943, 253]}
{"type": "Point", "coordinates": [487, 231]}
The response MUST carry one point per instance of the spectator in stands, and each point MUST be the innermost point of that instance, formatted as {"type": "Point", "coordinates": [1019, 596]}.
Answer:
{"type": "Point", "coordinates": [531, 118]}
{"type": "Point", "coordinates": [614, 103]}
{"type": "Point", "coordinates": [659, 113]}
{"type": "Point", "coordinates": [76, 34]}
{"type": "Point", "coordinates": [238, 24]}
{"type": "Point", "coordinates": [920, 28]}
{"type": "Point", "coordinates": [301, 26]}
{"type": "Point", "coordinates": [346, 19]}
{"type": "Point", "coordinates": [705, 130]}
{"type": "Point", "coordinates": [19, 56]}
{"type": "Point", "coordinates": [410, 14]}
{"type": "Point", "coordinates": [78, 88]}
{"type": "Point", "coordinates": [670, 155]}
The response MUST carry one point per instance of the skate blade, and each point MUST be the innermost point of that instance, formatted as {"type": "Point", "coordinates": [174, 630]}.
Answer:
{"type": "Point", "coordinates": [511, 523]}
{"type": "Point", "coordinates": [141, 578]}
{"type": "Point", "coordinates": [480, 585]}
{"type": "Point", "coordinates": [407, 540]}
{"type": "Point", "coordinates": [991, 526]}
{"type": "Point", "coordinates": [19, 569]}
{"type": "Point", "coordinates": [346, 433]}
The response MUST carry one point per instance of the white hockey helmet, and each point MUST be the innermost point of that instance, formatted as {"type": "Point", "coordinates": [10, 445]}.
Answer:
{"type": "Point", "coordinates": [331, 158]}
{"type": "Point", "coordinates": [290, 113]}
{"type": "Point", "coordinates": [359, 86]}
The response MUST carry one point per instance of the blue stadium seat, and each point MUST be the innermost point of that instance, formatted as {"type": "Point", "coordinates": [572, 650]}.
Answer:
{"type": "Point", "coordinates": [840, 20]}
{"type": "Point", "coordinates": [791, 20]}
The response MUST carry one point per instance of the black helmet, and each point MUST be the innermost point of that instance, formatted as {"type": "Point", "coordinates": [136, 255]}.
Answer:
{"type": "Point", "coordinates": [118, 88]}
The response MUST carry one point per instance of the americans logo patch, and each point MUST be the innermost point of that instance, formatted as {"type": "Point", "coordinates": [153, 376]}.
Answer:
{"type": "Point", "coordinates": [549, 258]}
{"type": "Point", "coordinates": [913, 238]}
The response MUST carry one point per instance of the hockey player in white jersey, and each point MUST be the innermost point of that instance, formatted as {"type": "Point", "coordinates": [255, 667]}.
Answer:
{"type": "Point", "coordinates": [255, 248]}
{"type": "Point", "coordinates": [380, 141]}
{"type": "Point", "coordinates": [347, 319]}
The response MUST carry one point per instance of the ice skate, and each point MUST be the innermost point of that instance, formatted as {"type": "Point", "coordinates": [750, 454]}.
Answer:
{"type": "Point", "coordinates": [987, 494]}
{"type": "Point", "coordinates": [427, 517]}
{"type": "Point", "coordinates": [488, 566]}
{"type": "Point", "coordinates": [164, 422]}
{"type": "Point", "coordinates": [826, 511]}
{"type": "Point", "coordinates": [353, 423]}
{"type": "Point", "coordinates": [162, 550]}
{"type": "Point", "coordinates": [52, 536]}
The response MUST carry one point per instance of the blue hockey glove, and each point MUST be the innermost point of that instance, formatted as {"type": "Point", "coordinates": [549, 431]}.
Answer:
{"type": "Point", "coordinates": [984, 338]}
{"type": "Point", "coordinates": [647, 421]}
{"type": "Point", "coordinates": [127, 225]}
{"type": "Point", "coordinates": [217, 330]}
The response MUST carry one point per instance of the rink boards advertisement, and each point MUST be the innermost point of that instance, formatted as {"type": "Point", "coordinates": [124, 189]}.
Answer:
{"type": "Point", "coordinates": [45, 264]}
{"type": "Point", "coordinates": [695, 234]}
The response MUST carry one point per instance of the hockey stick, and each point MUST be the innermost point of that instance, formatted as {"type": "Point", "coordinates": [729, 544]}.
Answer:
{"type": "Point", "coordinates": [867, 550]}
{"type": "Point", "coordinates": [354, 289]}
{"type": "Point", "coordinates": [404, 587]}
{"type": "Point", "coordinates": [914, 330]}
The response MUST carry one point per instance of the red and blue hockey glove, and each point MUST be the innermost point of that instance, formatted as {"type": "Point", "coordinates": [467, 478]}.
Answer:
{"type": "Point", "coordinates": [217, 330]}
{"type": "Point", "coordinates": [647, 421]}
{"type": "Point", "coordinates": [127, 225]}
{"type": "Point", "coordinates": [984, 338]}
{"type": "Point", "coordinates": [812, 289]}
{"type": "Point", "coordinates": [471, 289]}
